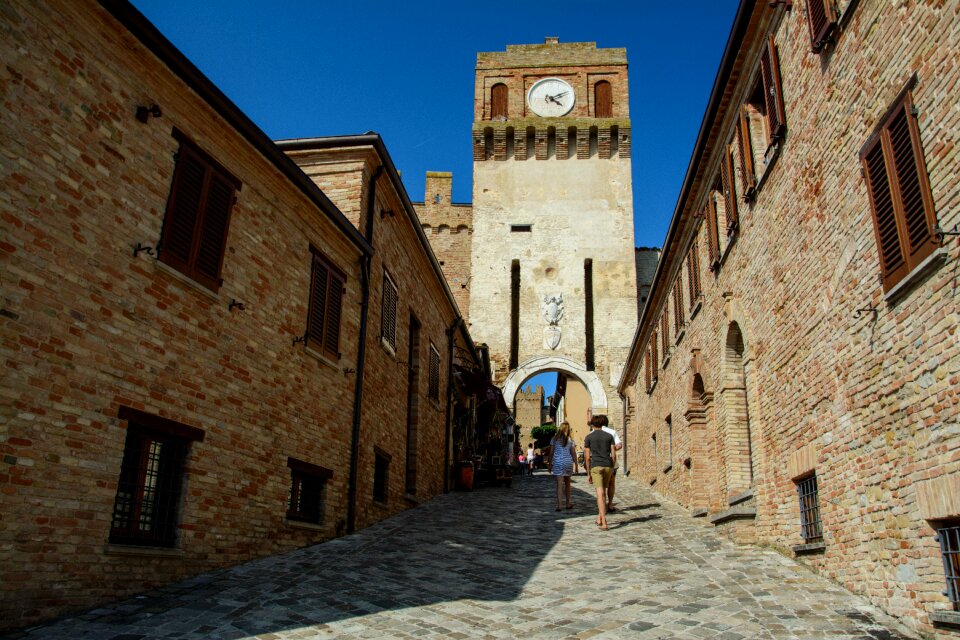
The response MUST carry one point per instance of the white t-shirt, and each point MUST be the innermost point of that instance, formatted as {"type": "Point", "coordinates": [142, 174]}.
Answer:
{"type": "Point", "coordinates": [616, 438]}
{"type": "Point", "coordinates": [529, 455]}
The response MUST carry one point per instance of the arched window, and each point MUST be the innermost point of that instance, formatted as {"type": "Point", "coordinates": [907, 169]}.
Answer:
{"type": "Point", "coordinates": [603, 100]}
{"type": "Point", "coordinates": [498, 101]}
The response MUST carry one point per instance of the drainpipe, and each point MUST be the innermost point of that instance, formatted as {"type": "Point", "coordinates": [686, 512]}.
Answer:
{"type": "Point", "coordinates": [626, 460]}
{"type": "Point", "coordinates": [446, 448]}
{"type": "Point", "coordinates": [365, 263]}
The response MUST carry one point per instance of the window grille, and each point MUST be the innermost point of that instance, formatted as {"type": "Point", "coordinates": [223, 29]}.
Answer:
{"type": "Point", "coordinates": [949, 538]}
{"type": "Point", "coordinates": [810, 527]}
{"type": "Point", "coordinates": [145, 511]}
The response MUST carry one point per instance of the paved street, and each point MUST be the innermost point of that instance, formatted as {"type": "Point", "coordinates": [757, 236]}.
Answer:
{"type": "Point", "coordinates": [501, 563]}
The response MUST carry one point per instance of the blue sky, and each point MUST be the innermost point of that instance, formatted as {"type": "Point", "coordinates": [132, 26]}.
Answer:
{"type": "Point", "coordinates": [303, 68]}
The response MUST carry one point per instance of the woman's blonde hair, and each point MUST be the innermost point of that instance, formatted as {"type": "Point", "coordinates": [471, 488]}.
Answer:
{"type": "Point", "coordinates": [564, 433]}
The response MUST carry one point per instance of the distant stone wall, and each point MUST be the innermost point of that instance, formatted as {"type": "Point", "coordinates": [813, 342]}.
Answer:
{"type": "Point", "coordinates": [529, 411]}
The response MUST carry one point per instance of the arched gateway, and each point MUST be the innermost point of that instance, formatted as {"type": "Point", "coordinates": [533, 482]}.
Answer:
{"type": "Point", "coordinates": [547, 364]}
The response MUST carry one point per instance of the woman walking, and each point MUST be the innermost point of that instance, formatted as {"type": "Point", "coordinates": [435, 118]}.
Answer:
{"type": "Point", "coordinates": [564, 462]}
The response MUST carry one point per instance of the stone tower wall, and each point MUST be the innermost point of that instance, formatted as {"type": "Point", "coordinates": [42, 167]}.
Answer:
{"type": "Point", "coordinates": [528, 412]}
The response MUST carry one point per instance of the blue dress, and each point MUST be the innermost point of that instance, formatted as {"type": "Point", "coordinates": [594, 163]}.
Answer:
{"type": "Point", "coordinates": [562, 458]}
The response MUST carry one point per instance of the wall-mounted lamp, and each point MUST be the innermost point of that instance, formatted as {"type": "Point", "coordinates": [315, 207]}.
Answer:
{"type": "Point", "coordinates": [139, 247]}
{"type": "Point", "coordinates": [144, 113]}
{"type": "Point", "coordinates": [235, 304]}
{"type": "Point", "coordinates": [940, 234]}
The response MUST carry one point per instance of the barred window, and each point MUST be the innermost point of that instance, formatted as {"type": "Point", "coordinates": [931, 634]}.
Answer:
{"type": "Point", "coordinates": [948, 535]}
{"type": "Point", "coordinates": [810, 528]}
{"type": "Point", "coordinates": [307, 491]}
{"type": "Point", "coordinates": [147, 504]}
{"type": "Point", "coordinates": [388, 312]}
{"type": "Point", "coordinates": [433, 381]}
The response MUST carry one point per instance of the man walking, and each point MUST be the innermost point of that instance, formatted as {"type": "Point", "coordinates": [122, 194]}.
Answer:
{"type": "Point", "coordinates": [599, 458]}
{"type": "Point", "coordinates": [617, 445]}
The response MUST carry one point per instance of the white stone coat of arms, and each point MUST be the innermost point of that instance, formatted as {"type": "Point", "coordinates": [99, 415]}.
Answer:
{"type": "Point", "coordinates": [552, 308]}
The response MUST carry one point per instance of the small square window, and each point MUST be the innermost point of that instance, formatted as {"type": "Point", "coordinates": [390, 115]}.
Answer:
{"type": "Point", "coordinates": [308, 485]}
{"type": "Point", "coordinates": [948, 535]}
{"type": "Point", "coordinates": [810, 527]}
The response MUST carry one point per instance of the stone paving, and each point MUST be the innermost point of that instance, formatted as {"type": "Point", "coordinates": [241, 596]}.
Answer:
{"type": "Point", "coordinates": [501, 563]}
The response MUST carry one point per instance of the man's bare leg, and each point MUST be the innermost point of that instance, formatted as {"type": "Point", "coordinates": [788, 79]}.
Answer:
{"type": "Point", "coordinates": [602, 507]}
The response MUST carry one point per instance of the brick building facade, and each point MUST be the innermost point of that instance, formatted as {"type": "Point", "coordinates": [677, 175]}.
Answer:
{"type": "Point", "coordinates": [198, 369]}
{"type": "Point", "coordinates": [794, 375]}
{"type": "Point", "coordinates": [529, 412]}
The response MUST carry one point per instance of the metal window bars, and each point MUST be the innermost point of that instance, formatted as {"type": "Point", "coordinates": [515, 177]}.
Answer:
{"type": "Point", "coordinates": [810, 525]}
{"type": "Point", "coordinates": [949, 538]}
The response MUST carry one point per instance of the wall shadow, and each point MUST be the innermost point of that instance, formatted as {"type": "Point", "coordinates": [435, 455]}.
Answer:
{"type": "Point", "coordinates": [481, 545]}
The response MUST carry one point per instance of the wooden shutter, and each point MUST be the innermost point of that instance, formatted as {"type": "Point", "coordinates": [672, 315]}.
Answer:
{"type": "Point", "coordinates": [648, 377]}
{"type": "Point", "coordinates": [499, 104]}
{"type": "Point", "coordinates": [729, 193]}
{"type": "Point", "coordinates": [748, 175]}
{"type": "Point", "coordinates": [603, 99]}
{"type": "Point", "coordinates": [388, 313]}
{"type": "Point", "coordinates": [331, 334]}
{"type": "Point", "coordinates": [326, 304]}
{"type": "Point", "coordinates": [197, 220]}
{"type": "Point", "coordinates": [822, 20]}
{"type": "Point", "coordinates": [899, 192]}
{"type": "Point", "coordinates": [678, 305]}
{"type": "Point", "coordinates": [713, 238]}
{"type": "Point", "coordinates": [665, 331]}
{"type": "Point", "coordinates": [434, 374]}
{"type": "Point", "coordinates": [693, 273]}
{"type": "Point", "coordinates": [654, 356]}
{"type": "Point", "coordinates": [773, 91]}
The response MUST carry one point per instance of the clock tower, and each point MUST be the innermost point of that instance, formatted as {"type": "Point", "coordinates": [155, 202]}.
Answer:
{"type": "Point", "coordinates": [552, 259]}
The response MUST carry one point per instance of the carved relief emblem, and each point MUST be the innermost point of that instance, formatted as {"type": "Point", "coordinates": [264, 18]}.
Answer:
{"type": "Point", "coordinates": [552, 308]}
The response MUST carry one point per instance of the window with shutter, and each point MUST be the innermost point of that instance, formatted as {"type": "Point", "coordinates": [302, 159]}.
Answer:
{"type": "Point", "coordinates": [433, 387]}
{"type": "Point", "coordinates": [655, 359]}
{"type": "Point", "coordinates": [665, 332]}
{"type": "Point", "coordinates": [678, 306]}
{"type": "Point", "coordinates": [729, 193]}
{"type": "Point", "coordinates": [899, 190]}
{"type": "Point", "coordinates": [327, 285]}
{"type": "Point", "coordinates": [648, 375]}
{"type": "Point", "coordinates": [822, 20]}
{"type": "Point", "coordinates": [603, 99]}
{"type": "Point", "coordinates": [388, 312]}
{"type": "Point", "coordinates": [307, 488]}
{"type": "Point", "coordinates": [748, 176]}
{"type": "Point", "coordinates": [194, 234]}
{"type": "Point", "coordinates": [693, 273]}
{"type": "Point", "coordinates": [499, 105]}
{"type": "Point", "coordinates": [773, 92]}
{"type": "Point", "coordinates": [713, 237]}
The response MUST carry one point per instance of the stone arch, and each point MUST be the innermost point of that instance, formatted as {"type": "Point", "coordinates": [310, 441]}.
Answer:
{"type": "Point", "coordinates": [737, 439]}
{"type": "Point", "coordinates": [546, 364]}
{"type": "Point", "coordinates": [701, 458]}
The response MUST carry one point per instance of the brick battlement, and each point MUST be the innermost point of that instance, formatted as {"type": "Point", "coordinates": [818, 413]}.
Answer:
{"type": "Point", "coordinates": [551, 54]}
{"type": "Point", "coordinates": [553, 138]}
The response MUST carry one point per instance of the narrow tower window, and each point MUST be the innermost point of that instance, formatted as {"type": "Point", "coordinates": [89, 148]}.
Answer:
{"type": "Point", "coordinates": [498, 101]}
{"type": "Point", "coordinates": [603, 99]}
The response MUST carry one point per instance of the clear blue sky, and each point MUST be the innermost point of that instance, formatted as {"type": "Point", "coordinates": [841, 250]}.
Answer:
{"type": "Point", "coordinates": [303, 68]}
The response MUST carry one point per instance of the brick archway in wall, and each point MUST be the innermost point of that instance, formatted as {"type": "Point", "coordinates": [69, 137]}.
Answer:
{"type": "Point", "coordinates": [546, 364]}
{"type": "Point", "coordinates": [737, 440]}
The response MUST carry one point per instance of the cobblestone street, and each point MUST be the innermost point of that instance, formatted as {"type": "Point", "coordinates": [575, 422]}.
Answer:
{"type": "Point", "coordinates": [501, 563]}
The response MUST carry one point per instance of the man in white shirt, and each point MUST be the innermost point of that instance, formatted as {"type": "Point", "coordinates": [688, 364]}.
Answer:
{"type": "Point", "coordinates": [601, 420]}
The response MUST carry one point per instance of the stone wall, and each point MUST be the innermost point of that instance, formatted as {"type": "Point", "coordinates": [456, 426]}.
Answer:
{"type": "Point", "coordinates": [528, 412]}
{"type": "Point", "coordinates": [795, 359]}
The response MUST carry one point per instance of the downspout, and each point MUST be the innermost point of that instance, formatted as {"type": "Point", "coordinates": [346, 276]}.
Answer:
{"type": "Point", "coordinates": [626, 448]}
{"type": "Point", "coordinates": [446, 447]}
{"type": "Point", "coordinates": [365, 264]}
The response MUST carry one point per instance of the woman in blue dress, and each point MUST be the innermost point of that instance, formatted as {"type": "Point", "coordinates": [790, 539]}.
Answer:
{"type": "Point", "coordinates": [564, 462]}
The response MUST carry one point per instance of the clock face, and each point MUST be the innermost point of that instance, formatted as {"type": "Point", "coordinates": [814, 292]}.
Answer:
{"type": "Point", "coordinates": [551, 97]}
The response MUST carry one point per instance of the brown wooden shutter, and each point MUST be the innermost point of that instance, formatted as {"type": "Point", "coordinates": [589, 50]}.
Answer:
{"type": "Point", "coordinates": [317, 316]}
{"type": "Point", "coordinates": [388, 315]}
{"type": "Point", "coordinates": [729, 193]}
{"type": "Point", "coordinates": [912, 184]}
{"type": "Point", "coordinates": [654, 357]}
{"type": "Point", "coordinates": [648, 375]}
{"type": "Point", "coordinates": [892, 265]}
{"type": "Point", "coordinates": [822, 20]}
{"type": "Point", "coordinates": [748, 174]}
{"type": "Point", "coordinates": [665, 330]}
{"type": "Point", "coordinates": [331, 334]}
{"type": "Point", "coordinates": [693, 272]}
{"type": "Point", "coordinates": [713, 238]}
{"type": "Point", "coordinates": [434, 374]}
{"type": "Point", "coordinates": [214, 223]}
{"type": "Point", "coordinates": [773, 91]}
{"type": "Point", "coordinates": [499, 103]}
{"type": "Point", "coordinates": [186, 196]}
{"type": "Point", "coordinates": [677, 305]}
{"type": "Point", "coordinates": [603, 99]}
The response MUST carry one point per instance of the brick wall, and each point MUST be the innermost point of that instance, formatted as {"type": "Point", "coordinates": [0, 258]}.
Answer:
{"type": "Point", "coordinates": [827, 360]}
{"type": "Point", "coordinates": [88, 328]}
{"type": "Point", "coordinates": [528, 412]}
{"type": "Point", "coordinates": [449, 226]}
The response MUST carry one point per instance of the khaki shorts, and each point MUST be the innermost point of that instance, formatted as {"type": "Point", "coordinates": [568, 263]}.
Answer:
{"type": "Point", "coordinates": [601, 476]}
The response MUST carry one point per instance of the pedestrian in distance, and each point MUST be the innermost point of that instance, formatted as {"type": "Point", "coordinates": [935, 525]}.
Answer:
{"type": "Point", "coordinates": [563, 462]}
{"type": "Point", "coordinates": [605, 425]}
{"type": "Point", "coordinates": [531, 457]}
{"type": "Point", "coordinates": [599, 458]}
{"type": "Point", "coordinates": [523, 463]}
